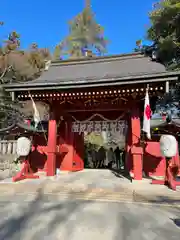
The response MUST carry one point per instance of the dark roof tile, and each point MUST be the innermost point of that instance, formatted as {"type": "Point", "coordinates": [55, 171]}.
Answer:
{"type": "Point", "coordinates": [102, 68]}
{"type": "Point", "coordinates": [95, 70]}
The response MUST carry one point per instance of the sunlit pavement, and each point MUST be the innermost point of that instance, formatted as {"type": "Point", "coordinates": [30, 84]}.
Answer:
{"type": "Point", "coordinates": [94, 185]}
{"type": "Point", "coordinates": [45, 217]}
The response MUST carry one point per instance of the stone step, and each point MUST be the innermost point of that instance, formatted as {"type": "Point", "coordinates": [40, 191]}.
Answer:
{"type": "Point", "coordinates": [87, 194]}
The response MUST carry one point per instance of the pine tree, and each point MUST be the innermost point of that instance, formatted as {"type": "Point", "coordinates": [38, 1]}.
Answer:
{"type": "Point", "coordinates": [85, 36]}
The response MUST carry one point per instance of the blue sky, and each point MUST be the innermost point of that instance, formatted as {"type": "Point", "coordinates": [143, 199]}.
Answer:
{"type": "Point", "coordinates": [45, 22]}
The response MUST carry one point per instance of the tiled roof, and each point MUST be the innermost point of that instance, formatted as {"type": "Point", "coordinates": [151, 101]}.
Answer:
{"type": "Point", "coordinates": [99, 70]}
{"type": "Point", "coordinates": [118, 66]}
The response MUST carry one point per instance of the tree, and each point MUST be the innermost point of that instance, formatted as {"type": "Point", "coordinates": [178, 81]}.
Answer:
{"type": "Point", "coordinates": [17, 65]}
{"type": "Point", "coordinates": [37, 58]}
{"type": "Point", "coordinates": [165, 32]}
{"type": "Point", "coordinates": [21, 65]}
{"type": "Point", "coordinates": [86, 36]}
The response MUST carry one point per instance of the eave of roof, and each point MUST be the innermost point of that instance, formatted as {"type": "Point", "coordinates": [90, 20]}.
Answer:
{"type": "Point", "coordinates": [97, 72]}
{"type": "Point", "coordinates": [22, 126]}
{"type": "Point", "coordinates": [161, 77]}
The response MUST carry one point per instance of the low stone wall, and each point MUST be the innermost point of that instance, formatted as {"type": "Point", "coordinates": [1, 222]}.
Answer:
{"type": "Point", "coordinates": [7, 167]}
{"type": "Point", "coordinates": [7, 156]}
{"type": "Point", "coordinates": [8, 147]}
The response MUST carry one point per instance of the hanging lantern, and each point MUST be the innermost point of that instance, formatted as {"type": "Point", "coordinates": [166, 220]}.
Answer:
{"type": "Point", "coordinates": [168, 146]}
{"type": "Point", "coordinates": [23, 146]}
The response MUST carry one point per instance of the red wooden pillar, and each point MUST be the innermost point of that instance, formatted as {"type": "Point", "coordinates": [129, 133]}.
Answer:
{"type": "Point", "coordinates": [78, 161]}
{"type": "Point", "coordinates": [51, 152]}
{"type": "Point", "coordinates": [67, 162]}
{"type": "Point", "coordinates": [136, 150]}
{"type": "Point", "coordinates": [128, 160]}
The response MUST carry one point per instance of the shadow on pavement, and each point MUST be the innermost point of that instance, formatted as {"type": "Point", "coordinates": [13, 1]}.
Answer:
{"type": "Point", "coordinates": [15, 227]}
{"type": "Point", "coordinates": [156, 199]}
{"type": "Point", "coordinates": [121, 174]}
{"type": "Point", "coordinates": [176, 222]}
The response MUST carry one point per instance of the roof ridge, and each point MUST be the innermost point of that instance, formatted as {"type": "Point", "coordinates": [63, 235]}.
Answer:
{"type": "Point", "coordinates": [97, 59]}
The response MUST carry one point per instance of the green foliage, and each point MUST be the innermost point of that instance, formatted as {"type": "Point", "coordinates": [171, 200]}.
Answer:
{"type": "Point", "coordinates": [6, 104]}
{"type": "Point", "coordinates": [165, 30]}
{"type": "Point", "coordinates": [17, 64]}
{"type": "Point", "coordinates": [85, 35]}
{"type": "Point", "coordinates": [94, 139]}
{"type": "Point", "coordinates": [58, 52]}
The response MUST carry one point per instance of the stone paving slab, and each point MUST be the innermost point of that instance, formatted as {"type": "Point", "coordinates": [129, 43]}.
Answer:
{"type": "Point", "coordinates": [92, 185]}
{"type": "Point", "coordinates": [51, 219]}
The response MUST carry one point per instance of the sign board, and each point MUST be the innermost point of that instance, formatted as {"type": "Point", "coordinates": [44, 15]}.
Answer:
{"type": "Point", "coordinates": [100, 126]}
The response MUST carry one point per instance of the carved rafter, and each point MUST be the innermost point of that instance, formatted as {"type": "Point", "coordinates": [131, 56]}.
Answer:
{"type": "Point", "coordinates": [94, 104]}
{"type": "Point", "coordinates": [65, 102]}
{"type": "Point", "coordinates": [91, 102]}
{"type": "Point", "coordinates": [119, 101]}
{"type": "Point", "coordinates": [98, 93]}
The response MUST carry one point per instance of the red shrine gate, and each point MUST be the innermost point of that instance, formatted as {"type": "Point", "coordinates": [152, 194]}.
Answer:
{"type": "Point", "coordinates": [65, 148]}
{"type": "Point", "coordinates": [70, 134]}
{"type": "Point", "coordinates": [98, 124]}
{"type": "Point", "coordinates": [76, 90]}
{"type": "Point", "coordinates": [68, 138]}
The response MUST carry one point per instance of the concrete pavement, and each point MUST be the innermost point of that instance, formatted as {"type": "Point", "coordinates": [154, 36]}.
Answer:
{"type": "Point", "coordinates": [94, 185]}
{"type": "Point", "coordinates": [30, 217]}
